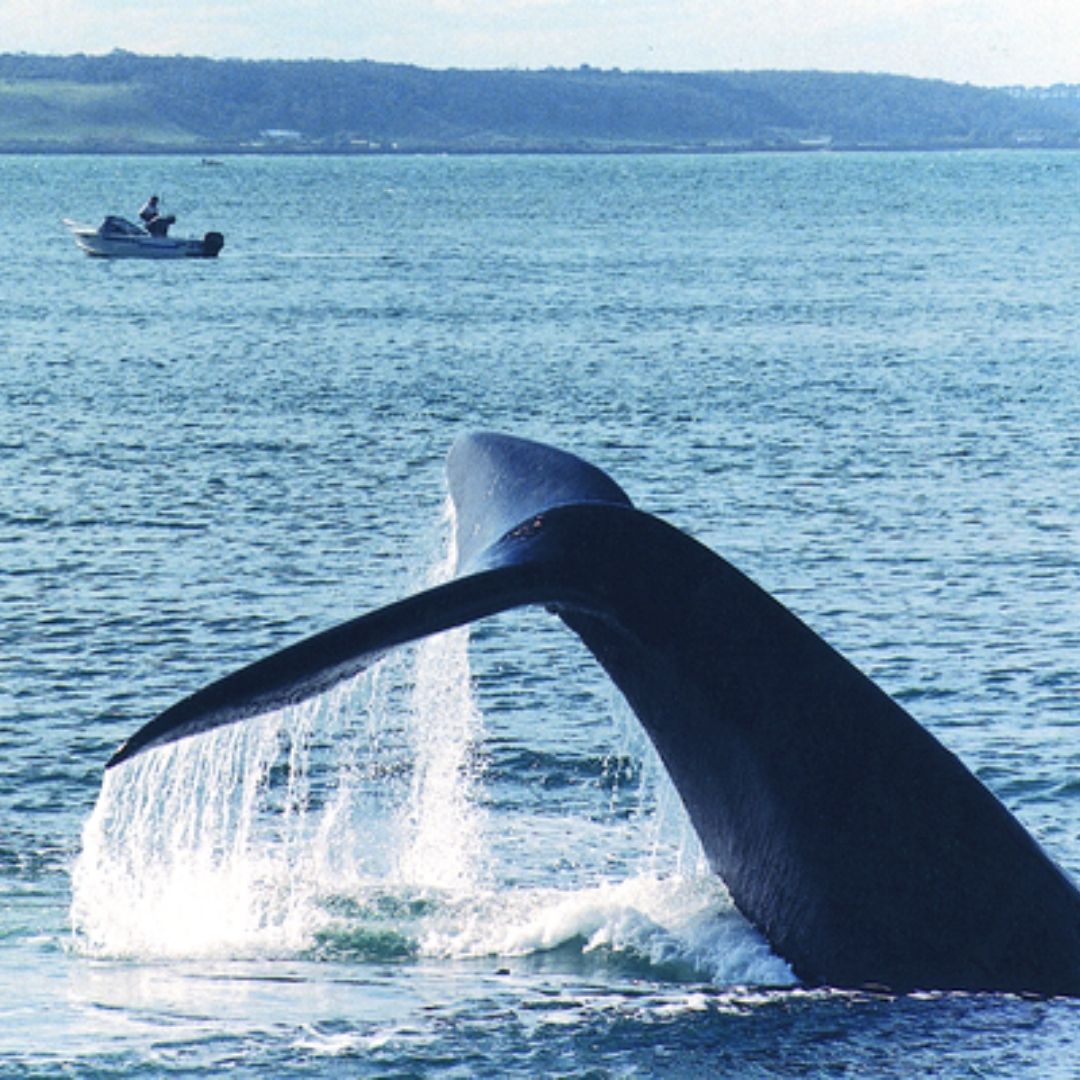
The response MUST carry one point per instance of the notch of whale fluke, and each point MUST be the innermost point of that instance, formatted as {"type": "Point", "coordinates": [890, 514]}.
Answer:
{"type": "Point", "coordinates": [863, 850]}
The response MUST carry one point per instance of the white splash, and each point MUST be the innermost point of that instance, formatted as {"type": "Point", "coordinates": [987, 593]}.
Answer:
{"type": "Point", "coordinates": [685, 924]}
{"type": "Point", "coordinates": [268, 838]}
{"type": "Point", "coordinates": [229, 844]}
{"type": "Point", "coordinates": [171, 863]}
{"type": "Point", "coordinates": [442, 824]}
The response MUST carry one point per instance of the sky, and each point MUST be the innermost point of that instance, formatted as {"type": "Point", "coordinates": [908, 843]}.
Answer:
{"type": "Point", "coordinates": [985, 42]}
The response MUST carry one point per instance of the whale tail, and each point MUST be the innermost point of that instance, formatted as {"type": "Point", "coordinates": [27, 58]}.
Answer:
{"type": "Point", "coordinates": [864, 851]}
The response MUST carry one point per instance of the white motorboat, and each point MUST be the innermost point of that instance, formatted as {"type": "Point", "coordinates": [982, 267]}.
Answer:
{"type": "Point", "coordinates": [118, 238]}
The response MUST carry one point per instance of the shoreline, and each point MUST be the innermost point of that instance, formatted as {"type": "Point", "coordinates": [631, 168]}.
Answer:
{"type": "Point", "coordinates": [212, 152]}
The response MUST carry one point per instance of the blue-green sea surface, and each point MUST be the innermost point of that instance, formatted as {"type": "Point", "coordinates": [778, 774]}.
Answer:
{"type": "Point", "coordinates": [857, 377]}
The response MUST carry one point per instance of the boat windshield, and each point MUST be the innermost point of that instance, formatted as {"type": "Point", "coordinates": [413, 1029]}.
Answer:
{"type": "Point", "coordinates": [121, 226]}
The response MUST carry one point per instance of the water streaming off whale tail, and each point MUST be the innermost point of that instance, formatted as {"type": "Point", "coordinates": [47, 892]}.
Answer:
{"type": "Point", "coordinates": [357, 827]}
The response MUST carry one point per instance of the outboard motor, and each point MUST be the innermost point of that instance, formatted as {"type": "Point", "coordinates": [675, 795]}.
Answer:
{"type": "Point", "coordinates": [213, 242]}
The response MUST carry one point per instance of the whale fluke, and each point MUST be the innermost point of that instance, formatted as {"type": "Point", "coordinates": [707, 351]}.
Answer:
{"type": "Point", "coordinates": [864, 851]}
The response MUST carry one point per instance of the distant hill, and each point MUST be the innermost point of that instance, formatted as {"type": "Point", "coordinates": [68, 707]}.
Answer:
{"type": "Point", "coordinates": [123, 101]}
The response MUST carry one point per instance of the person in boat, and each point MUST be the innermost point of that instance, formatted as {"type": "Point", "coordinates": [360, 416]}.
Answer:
{"type": "Point", "coordinates": [156, 223]}
{"type": "Point", "coordinates": [150, 210]}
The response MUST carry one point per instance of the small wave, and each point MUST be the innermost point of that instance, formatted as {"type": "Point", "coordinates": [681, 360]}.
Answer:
{"type": "Point", "coordinates": [361, 944]}
{"type": "Point", "coordinates": [680, 929]}
{"type": "Point", "coordinates": [376, 927]}
{"type": "Point", "coordinates": [669, 930]}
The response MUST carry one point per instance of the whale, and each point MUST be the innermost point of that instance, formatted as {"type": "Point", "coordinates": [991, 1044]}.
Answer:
{"type": "Point", "coordinates": [864, 851]}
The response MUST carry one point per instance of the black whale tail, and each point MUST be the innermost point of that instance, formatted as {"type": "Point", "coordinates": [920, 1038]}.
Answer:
{"type": "Point", "coordinates": [864, 851]}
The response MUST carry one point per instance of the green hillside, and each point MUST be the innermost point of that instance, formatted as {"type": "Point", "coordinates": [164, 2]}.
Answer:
{"type": "Point", "coordinates": [127, 102]}
{"type": "Point", "coordinates": [42, 113]}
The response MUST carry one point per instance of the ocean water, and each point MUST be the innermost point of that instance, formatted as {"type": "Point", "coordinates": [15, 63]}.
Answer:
{"type": "Point", "coordinates": [855, 376]}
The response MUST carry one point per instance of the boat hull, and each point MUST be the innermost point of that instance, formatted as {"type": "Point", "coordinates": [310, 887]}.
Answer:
{"type": "Point", "coordinates": [113, 245]}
